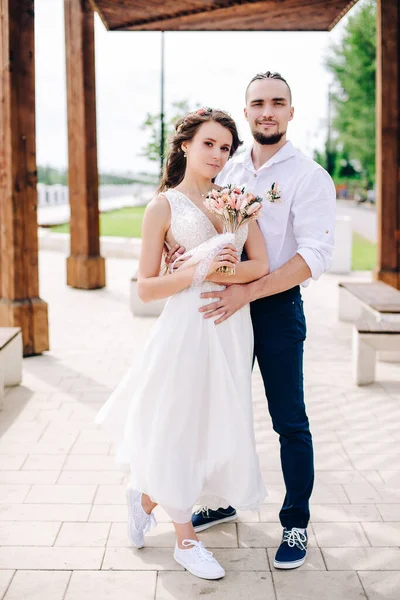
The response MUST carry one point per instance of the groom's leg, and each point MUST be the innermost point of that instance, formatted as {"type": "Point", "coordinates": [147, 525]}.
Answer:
{"type": "Point", "coordinates": [279, 333]}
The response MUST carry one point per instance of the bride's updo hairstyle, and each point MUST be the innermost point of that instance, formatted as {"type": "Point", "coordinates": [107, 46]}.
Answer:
{"type": "Point", "coordinates": [185, 130]}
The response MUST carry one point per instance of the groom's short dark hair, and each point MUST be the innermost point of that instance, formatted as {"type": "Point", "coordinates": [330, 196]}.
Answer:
{"type": "Point", "coordinates": [269, 75]}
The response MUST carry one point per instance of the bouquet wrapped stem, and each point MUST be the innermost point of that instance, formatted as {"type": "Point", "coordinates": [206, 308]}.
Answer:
{"type": "Point", "coordinates": [229, 228]}
{"type": "Point", "coordinates": [235, 207]}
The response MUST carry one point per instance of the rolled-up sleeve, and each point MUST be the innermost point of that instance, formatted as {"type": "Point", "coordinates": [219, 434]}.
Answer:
{"type": "Point", "coordinates": [314, 216]}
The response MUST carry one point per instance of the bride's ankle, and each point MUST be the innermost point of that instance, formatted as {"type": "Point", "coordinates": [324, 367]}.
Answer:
{"type": "Point", "coordinates": [147, 504]}
{"type": "Point", "coordinates": [180, 540]}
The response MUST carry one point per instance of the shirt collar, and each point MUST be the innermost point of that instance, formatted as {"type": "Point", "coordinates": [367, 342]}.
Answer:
{"type": "Point", "coordinates": [287, 151]}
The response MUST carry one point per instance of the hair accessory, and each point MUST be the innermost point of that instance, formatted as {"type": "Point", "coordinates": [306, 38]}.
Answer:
{"type": "Point", "coordinates": [205, 110]}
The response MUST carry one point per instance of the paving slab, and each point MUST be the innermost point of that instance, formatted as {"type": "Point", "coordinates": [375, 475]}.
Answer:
{"type": "Point", "coordinates": [62, 505]}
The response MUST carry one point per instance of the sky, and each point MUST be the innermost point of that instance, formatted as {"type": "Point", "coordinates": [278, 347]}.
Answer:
{"type": "Point", "coordinates": [206, 68]}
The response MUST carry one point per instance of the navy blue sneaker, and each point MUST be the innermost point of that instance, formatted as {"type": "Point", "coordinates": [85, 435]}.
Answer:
{"type": "Point", "coordinates": [204, 518]}
{"type": "Point", "coordinates": [293, 549]}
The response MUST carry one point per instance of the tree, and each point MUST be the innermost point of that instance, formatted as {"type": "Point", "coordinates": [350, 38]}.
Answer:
{"type": "Point", "coordinates": [327, 158]}
{"type": "Point", "coordinates": [352, 62]}
{"type": "Point", "coordinates": [337, 163]}
{"type": "Point", "coordinates": [51, 175]}
{"type": "Point", "coordinates": [153, 126]}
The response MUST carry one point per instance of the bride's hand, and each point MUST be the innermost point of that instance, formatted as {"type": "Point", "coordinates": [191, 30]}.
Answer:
{"type": "Point", "coordinates": [228, 257]}
{"type": "Point", "coordinates": [174, 254]}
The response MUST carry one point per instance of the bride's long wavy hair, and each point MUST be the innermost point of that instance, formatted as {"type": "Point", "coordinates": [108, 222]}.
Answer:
{"type": "Point", "coordinates": [185, 130]}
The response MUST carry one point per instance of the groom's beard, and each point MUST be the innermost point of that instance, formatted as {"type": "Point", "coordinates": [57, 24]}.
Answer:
{"type": "Point", "coordinates": [268, 140]}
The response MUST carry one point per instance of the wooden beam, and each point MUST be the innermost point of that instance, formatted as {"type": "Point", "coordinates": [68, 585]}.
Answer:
{"type": "Point", "coordinates": [388, 141]}
{"type": "Point", "coordinates": [256, 16]}
{"type": "Point", "coordinates": [85, 266]}
{"type": "Point", "coordinates": [20, 305]}
{"type": "Point", "coordinates": [221, 15]}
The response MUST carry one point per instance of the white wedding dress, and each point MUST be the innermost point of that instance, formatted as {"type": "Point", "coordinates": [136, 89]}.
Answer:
{"type": "Point", "coordinates": [182, 417]}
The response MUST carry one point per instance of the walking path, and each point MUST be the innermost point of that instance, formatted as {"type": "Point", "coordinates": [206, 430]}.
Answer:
{"type": "Point", "coordinates": [62, 511]}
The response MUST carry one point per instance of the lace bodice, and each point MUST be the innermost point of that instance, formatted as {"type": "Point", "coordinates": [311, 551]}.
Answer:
{"type": "Point", "coordinates": [190, 226]}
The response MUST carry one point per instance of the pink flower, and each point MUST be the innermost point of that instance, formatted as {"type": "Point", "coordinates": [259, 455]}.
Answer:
{"type": "Point", "coordinates": [237, 191]}
{"type": "Point", "coordinates": [225, 197]}
{"type": "Point", "coordinates": [253, 208]}
{"type": "Point", "coordinates": [244, 202]}
{"type": "Point", "coordinates": [221, 203]}
{"type": "Point", "coordinates": [232, 202]}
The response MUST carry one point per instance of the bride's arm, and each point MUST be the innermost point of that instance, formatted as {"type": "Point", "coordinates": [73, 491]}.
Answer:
{"type": "Point", "coordinates": [255, 267]}
{"type": "Point", "coordinates": [152, 285]}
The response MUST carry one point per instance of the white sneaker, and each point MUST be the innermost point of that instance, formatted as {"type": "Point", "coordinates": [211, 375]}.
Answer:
{"type": "Point", "coordinates": [198, 560]}
{"type": "Point", "coordinates": [139, 522]}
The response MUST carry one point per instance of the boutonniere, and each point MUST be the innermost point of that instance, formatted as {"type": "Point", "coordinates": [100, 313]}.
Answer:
{"type": "Point", "coordinates": [274, 193]}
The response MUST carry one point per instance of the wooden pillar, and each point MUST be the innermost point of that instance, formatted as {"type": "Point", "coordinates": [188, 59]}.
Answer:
{"type": "Point", "coordinates": [20, 304]}
{"type": "Point", "coordinates": [388, 141]}
{"type": "Point", "coordinates": [85, 266]}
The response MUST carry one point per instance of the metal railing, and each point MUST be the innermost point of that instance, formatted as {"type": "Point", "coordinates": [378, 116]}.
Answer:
{"type": "Point", "coordinates": [58, 194]}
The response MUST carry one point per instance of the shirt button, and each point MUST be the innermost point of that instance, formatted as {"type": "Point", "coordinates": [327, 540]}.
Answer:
{"type": "Point", "coordinates": [255, 175]}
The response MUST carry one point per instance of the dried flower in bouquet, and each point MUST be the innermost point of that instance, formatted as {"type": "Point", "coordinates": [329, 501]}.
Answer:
{"type": "Point", "coordinates": [235, 207]}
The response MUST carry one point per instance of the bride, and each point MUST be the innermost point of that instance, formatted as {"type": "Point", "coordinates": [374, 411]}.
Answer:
{"type": "Point", "coordinates": [182, 417]}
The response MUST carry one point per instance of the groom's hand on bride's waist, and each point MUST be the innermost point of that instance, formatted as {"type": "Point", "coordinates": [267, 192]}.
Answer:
{"type": "Point", "coordinates": [226, 303]}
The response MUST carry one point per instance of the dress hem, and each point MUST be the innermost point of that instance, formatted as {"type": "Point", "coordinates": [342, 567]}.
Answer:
{"type": "Point", "coordinates": [213, 503]}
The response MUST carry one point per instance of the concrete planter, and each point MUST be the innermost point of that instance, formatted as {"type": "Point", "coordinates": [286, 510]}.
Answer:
{"type": "Point", "coordinates": [144, 309]}
{"type": "Point", "coordinates": [10, 358]}
{"type": "Point", "coordinates": [342, 254]}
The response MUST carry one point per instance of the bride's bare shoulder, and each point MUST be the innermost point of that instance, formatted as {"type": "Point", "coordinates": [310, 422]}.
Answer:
{"type": "Point", "coordinates": [160, 202]}
{"type": "Point", "coordinates": [158, 207]}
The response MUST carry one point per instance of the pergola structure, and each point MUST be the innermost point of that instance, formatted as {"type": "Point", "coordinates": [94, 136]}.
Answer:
{"type": "Point", "coordinates": [20, 302]}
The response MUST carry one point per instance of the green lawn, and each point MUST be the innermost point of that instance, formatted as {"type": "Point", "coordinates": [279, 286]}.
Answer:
{"type": "Point", "coordinates": [364, 254]}
{"type": "Point", "coordinates": [127, 222]}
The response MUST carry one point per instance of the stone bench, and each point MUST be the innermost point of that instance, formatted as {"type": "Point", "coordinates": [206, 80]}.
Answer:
{"type": "Point", "coordinates": [369, 337]}
{"type": "Point", "coordinates": [376, 299]}
{"type": "Point", "coordinates": [374, 308]}
{"type": "Point", "coordinates": [10, 358]}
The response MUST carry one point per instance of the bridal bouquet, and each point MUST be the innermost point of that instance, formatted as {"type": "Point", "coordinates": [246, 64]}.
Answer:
{"type": "Point", "coordinates": [235, 207]}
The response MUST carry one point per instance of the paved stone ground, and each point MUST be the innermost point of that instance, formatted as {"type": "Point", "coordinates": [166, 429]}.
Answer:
{"type": "Point", "coordinates": [62, 511]}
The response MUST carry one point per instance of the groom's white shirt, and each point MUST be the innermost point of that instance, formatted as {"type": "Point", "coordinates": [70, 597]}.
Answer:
{"type": "Point", "coordinates": [303, 221]}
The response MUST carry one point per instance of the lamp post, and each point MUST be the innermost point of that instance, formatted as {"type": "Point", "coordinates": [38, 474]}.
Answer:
{"type": "Point", "coordinates": [162, 132]}
{"type": "Point", "coordinates": [329, 153]}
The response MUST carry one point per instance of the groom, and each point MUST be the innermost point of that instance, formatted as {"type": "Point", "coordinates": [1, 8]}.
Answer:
{"type": "Point", "coordinates": [297, 221]}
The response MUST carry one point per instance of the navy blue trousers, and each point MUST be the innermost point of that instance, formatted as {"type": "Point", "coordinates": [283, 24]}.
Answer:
{"type": "Point", "coordinates": [279, 333]}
